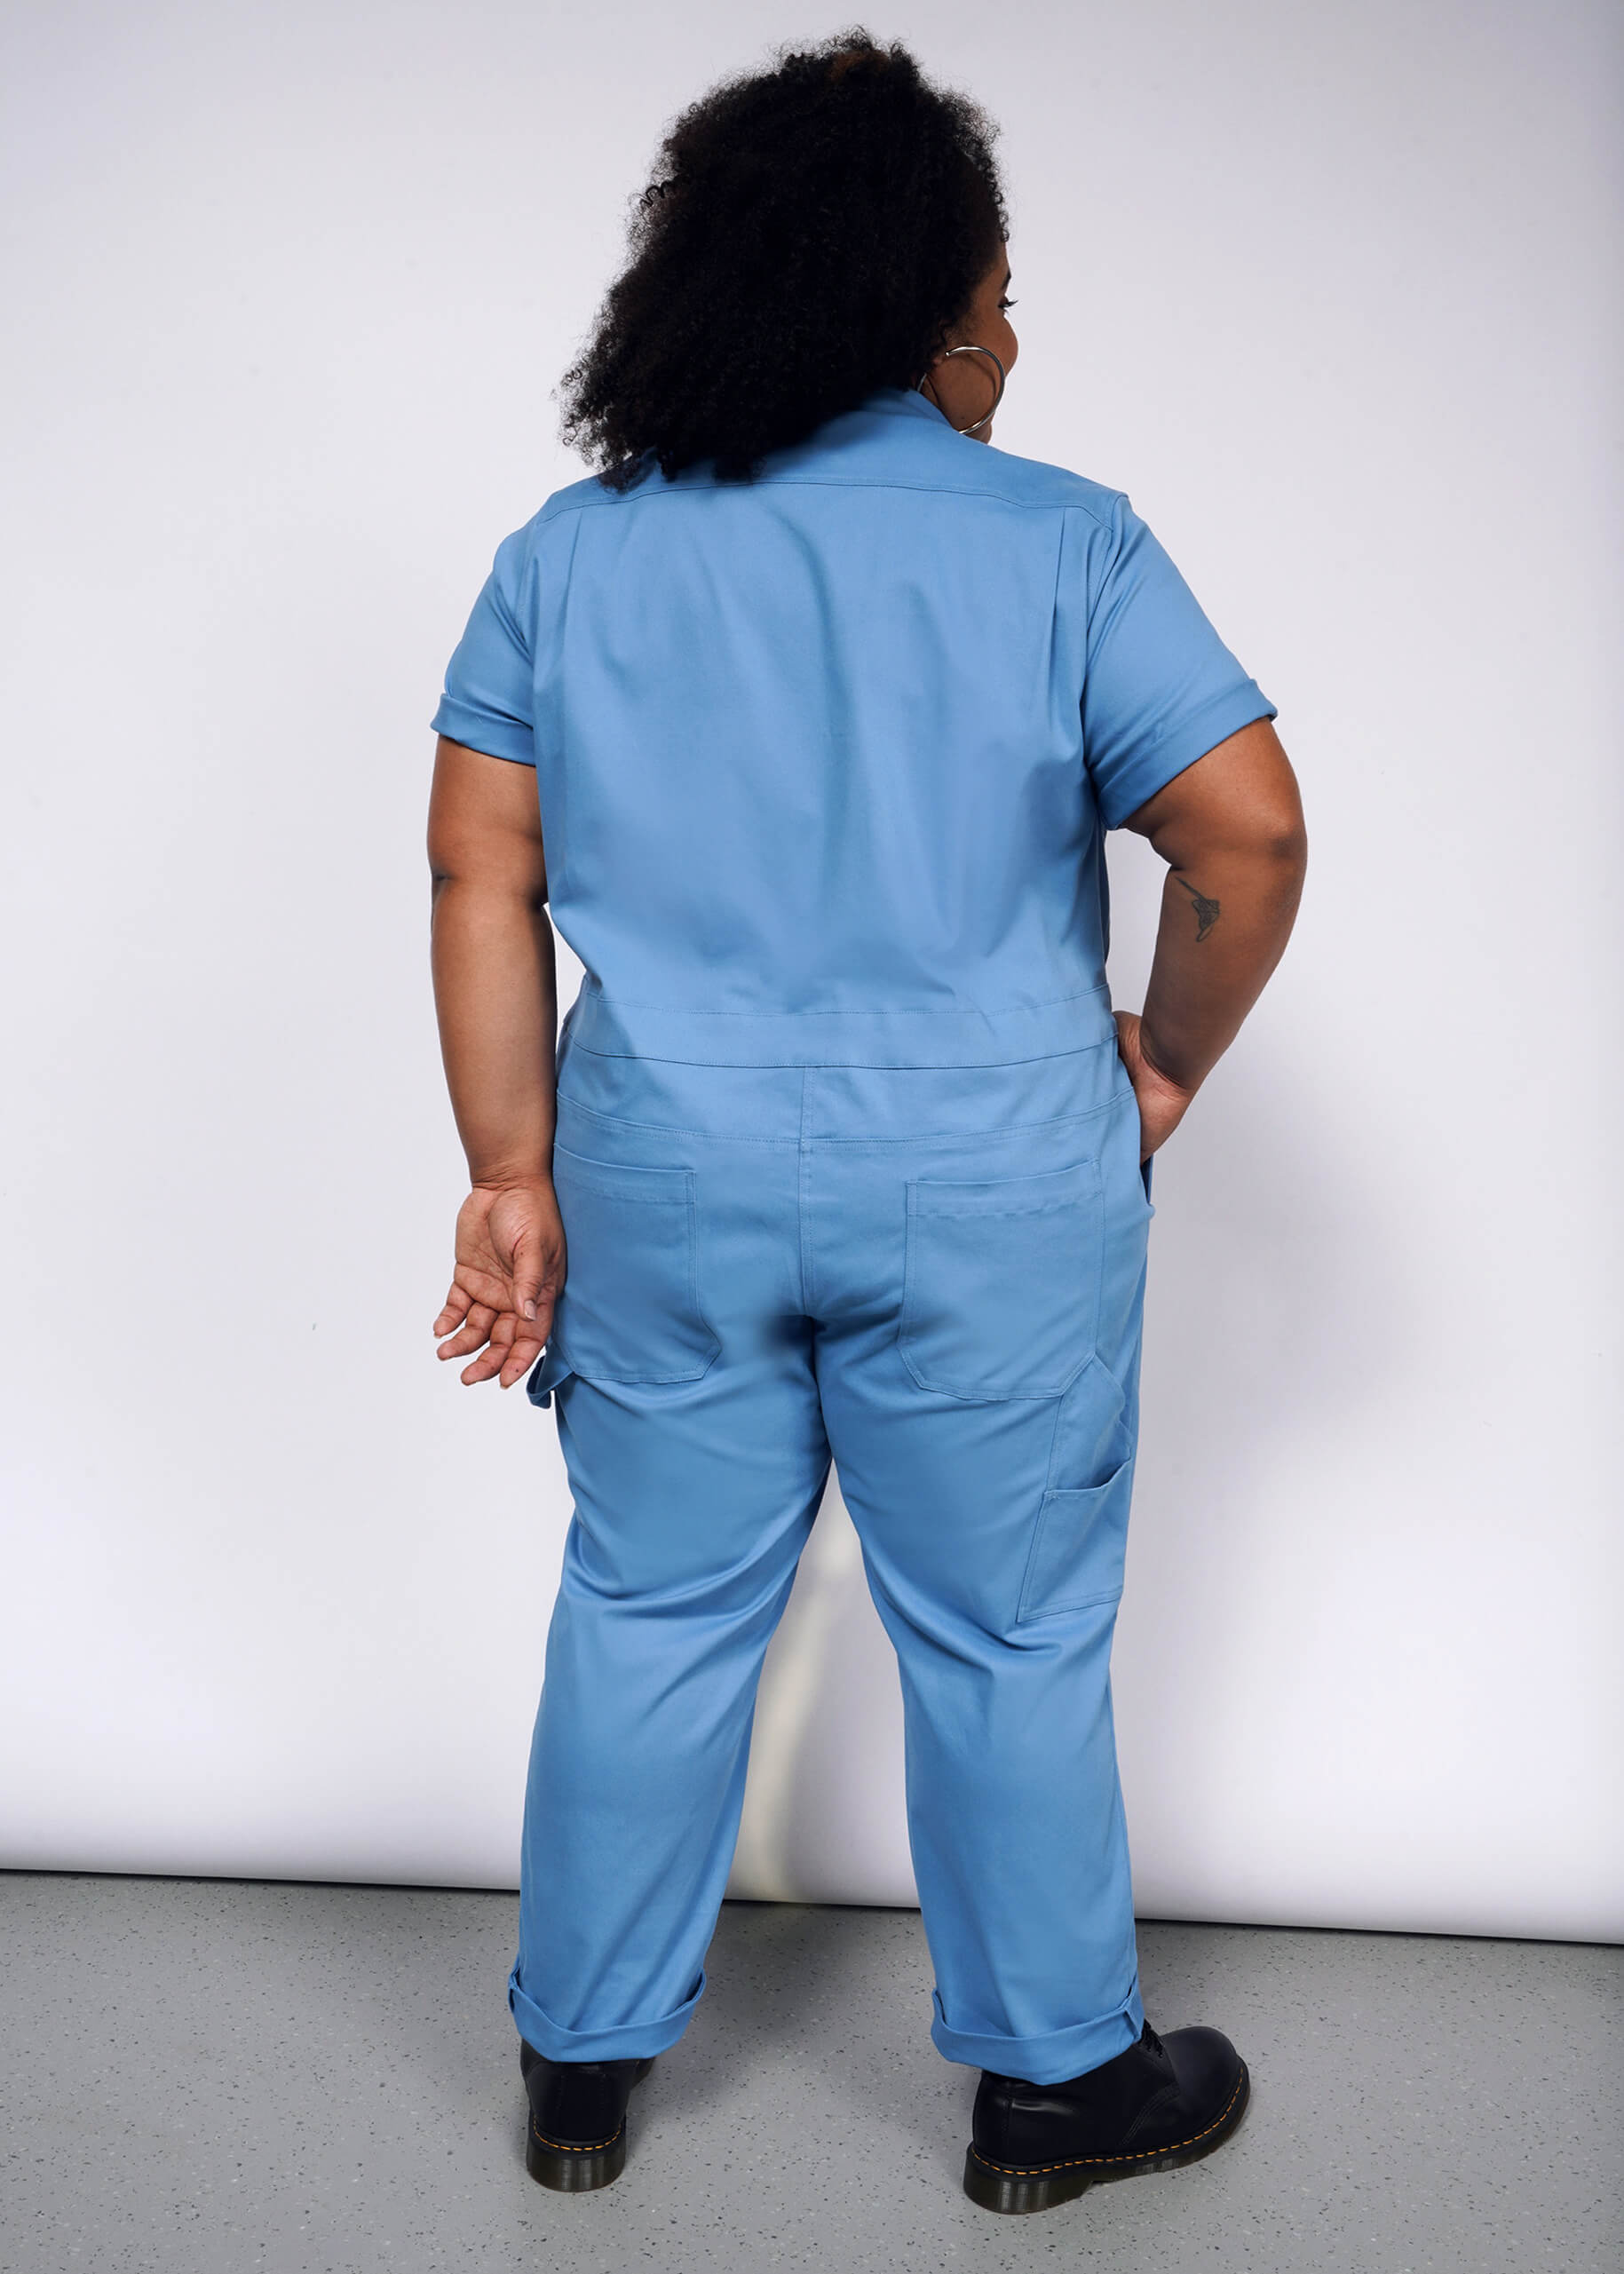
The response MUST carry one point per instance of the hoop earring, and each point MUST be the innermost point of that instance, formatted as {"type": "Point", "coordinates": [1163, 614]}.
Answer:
{"type": "Point", "coordinates": [972, 349]}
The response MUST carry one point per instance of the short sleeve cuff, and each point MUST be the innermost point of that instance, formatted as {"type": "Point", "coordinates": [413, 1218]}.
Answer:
{"type": "Point", "coordinates": [485, 730]}
{"type": "Point", "coordinates": [1195, 733]}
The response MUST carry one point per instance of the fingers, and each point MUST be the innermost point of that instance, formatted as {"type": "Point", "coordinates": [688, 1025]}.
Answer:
{"type": "Point", "coordinates": [472, 1289]}
{"type": "Point", "coordinates": [471, 1286]}
{"type": "Point", "coordinates": [492, 1360]}
{"type": "Point", "coordinates": [529, 1272]}
{"type": "Point", "coordinates": [513, 1349]}
{"type": "Point", "coordinates": [482, 1317]}
{"type": "Point", "coordinates": [526, 1348]}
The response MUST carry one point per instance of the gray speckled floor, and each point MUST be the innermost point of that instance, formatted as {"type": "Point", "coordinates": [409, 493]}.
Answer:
{"type": "Point", "coordinates": [203, 2076]}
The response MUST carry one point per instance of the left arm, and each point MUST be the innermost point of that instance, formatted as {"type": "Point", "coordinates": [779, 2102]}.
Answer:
{"type": "Point", "coordinates": [1231, 830]}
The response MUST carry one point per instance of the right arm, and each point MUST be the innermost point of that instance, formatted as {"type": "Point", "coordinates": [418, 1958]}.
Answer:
{"type": "Point", "coordinates": [1231, 830]}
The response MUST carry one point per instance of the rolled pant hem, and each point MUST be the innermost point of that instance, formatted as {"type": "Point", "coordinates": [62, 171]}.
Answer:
{"type": "Point", "coordinates": [632, 2040]}
{"type": "Point", "coordinates": [1045, 2060]}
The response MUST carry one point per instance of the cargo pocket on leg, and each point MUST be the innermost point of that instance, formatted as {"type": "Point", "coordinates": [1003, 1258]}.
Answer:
{"type": "Point", "coordinates": [1079, 1548]}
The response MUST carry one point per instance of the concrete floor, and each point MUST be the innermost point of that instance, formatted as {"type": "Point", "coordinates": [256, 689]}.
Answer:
{"type": "Point", "coordinates": [207, 2076]}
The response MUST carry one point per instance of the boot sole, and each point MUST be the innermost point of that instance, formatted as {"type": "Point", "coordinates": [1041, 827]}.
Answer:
{"type": "Point", "coordinates": [570, 2170]}
{"type": "Point", "coordinates": [1016, 2189]}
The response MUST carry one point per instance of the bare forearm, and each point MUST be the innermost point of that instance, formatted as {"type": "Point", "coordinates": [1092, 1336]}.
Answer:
{"type": "Point", "coordinates": [1226, 916]}
{"type": "Point", "coordinates": [495, 994]}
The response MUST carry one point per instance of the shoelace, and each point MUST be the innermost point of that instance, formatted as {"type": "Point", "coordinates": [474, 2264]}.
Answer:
{"type": "Point", "coordinates": [1152, 2042]}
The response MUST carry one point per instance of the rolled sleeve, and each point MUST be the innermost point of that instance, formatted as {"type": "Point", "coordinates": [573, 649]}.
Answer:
{"type": "Point", "coordinates": [1161, 689]}
{"type": "Point", "coordinates": [490, 695]}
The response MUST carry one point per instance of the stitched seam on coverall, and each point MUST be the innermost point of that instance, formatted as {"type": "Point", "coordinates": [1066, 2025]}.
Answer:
{"type": "Point", "coordinates": [802, 1180]}
{"type": "Point", "coordinates": [545, 518]}
{"type": "Point", "coordinates": [921, 1010]}
{"type": "Point", "coordinates": [916, 1136]}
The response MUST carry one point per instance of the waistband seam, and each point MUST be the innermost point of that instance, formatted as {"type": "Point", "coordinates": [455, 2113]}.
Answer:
{"type": "Point", "coordinates": [794, 1144]}
{"type": "Point", "coordinates": [939, 1039]}
{"type": "Point", "coordinates": [841, 1065]}
{"type": "Point", "coordinates": [884, 1010]}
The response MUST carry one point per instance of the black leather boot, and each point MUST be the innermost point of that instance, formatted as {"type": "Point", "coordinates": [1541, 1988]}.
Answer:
{"type": "Point", "coordinates": [1164, 2101]}
{"type": "Point", "coordinates": [576, 2135]}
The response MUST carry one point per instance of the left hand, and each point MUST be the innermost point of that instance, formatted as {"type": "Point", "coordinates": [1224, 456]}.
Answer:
{"type": "Point", "coordinates": [1162, 1103]}
{"type": "Point", "coordinates": [510, 1262]}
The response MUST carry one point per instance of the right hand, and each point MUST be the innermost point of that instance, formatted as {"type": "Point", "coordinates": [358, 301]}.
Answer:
{"type": "Point", "coordinates": [510, 1261]}
{"type": "Point", "coordinates": [1162, 1103]}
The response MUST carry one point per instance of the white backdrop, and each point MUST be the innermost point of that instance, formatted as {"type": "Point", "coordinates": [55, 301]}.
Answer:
{"type": "Point", "coordinates": [1329, 291]}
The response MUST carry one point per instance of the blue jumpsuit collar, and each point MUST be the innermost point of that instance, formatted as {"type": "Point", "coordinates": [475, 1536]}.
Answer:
{"type": "Point", "coordinates": [905, 402]}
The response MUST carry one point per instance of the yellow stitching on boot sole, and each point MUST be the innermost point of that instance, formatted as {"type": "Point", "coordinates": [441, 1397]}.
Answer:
{"type": "Point", "coordinates": [1025, 2171]}
{"type": "Point", "coordinates": [575, 2147]}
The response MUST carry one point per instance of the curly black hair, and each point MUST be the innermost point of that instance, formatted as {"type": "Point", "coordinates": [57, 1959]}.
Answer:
{"type": "Point", "coordinates": [811, 233]}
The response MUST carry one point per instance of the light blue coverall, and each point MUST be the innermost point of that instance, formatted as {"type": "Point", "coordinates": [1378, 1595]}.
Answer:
{"type": "Point", "coordinates": [848, 1165]}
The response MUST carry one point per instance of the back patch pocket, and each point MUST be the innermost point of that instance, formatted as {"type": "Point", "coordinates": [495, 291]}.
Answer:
{"type": "Point", "coordinates": [1001, 1285]}
{"type": "Point", "coordinates": [629, 1309]}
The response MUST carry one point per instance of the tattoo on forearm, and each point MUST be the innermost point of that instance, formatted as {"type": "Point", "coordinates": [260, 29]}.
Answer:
{"type": "Point", "coordinates": [1206, 911]}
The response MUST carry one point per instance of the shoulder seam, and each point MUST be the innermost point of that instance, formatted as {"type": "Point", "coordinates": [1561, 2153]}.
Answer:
{"type": "Point", "coordinates": [552, 512]}
{"type": "Point", "coordinates": [1113, 528]}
